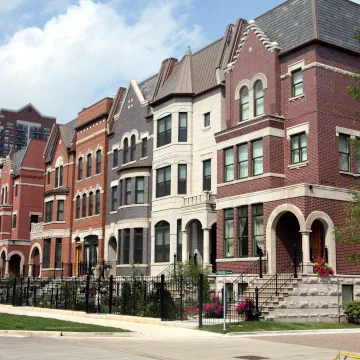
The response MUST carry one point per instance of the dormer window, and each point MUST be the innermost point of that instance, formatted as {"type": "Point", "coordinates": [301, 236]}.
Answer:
{"type": "Point", "coordinates": [258, 98]}
{"type": "Point", "coordinates": [59, 176]}
{"type": "Point", "coordinates": [244, 104]}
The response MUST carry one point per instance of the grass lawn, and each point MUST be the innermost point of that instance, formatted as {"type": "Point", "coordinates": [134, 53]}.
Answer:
{"type": "Point", "coordinates": [20, 322]}
{"type": "Point", "coordinates": [250, 326]}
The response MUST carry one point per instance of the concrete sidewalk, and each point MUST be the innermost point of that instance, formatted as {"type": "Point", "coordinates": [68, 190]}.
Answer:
{"type": "Point", "coordinates": [148, 328]}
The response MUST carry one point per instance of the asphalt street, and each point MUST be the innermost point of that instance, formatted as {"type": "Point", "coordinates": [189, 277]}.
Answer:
{"type": "Point", "coordinates": [224, 348]}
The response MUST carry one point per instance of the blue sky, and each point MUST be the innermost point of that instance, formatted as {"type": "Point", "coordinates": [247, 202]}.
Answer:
{"type": "Point", "coordinates": [63, 55]}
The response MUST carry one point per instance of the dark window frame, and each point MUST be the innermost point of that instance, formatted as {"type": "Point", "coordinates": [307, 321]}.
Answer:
{"type": "Point", "coordinates": [84, 207]}
{"type": "Point", "coordinates": [49, 211]}
{"type": "Point", "coordinates": [207, 119]}
{"type": "Point", "coordinates": [139, 191]}
{"type": "Point", "coordinates": [115, 159]}
{"type": "Point", "coordinates": [182, 135]}
{"type": "Point", "coordinates": [347, 154]}
{"type": "Point", "coordinates": [206, 178]}
{"type": "Point", "coordinates": [243, 240]}
{"type": "Point", "coordinates": [300, 148]}
{"type": "Point", "coordinates": [47, 252]}
{"type": "Point", "coordinates": [244, 104]}
{"type": "Point", "coordinates": [164, 137]}
{"type": "Point", "coordinates": [98, 158]}
{"type": "Point", "coordinates": [80, 168]}
{"type": "Point", "coordinates": [228, 216]}
{"type": "Point", "coordinates": [77, 207]}
{"type": "Point", "coordinates": [126, 250]}
{"type": "Point", "coordinates": [138, 245]}
{"type": "Point", "coordinates": [257, 157]}
{"type": "Point", "coordinates": [126, 151]}
{"type": "Point", "coordinates": [128, 191]}
{"type": "Point", "coordinates": [257, 214]}
{"type": "Point", "coordinates": [144, 148]}
{"type": "Point", "coordinates": [48, 178]}
{"type": "Point", "coordinates": [60, 212]}
{"type": "Point", "coordinates": [162, 251]}
{"type": "Point", "coordinates": [163, 188]}
{"type": "Point", "coordinates": [294, 84]}
{"type": "Point", "coordinates": [114, 198]}
{"type": "Point", "coordinates": [133, 148]}
{"type": "Point", "coordinates": [258, 98]}
{"type": "Point", "coordinates": [91, 203]}
{"type": "Point", "coordinates": [58, 250]}
{"type": "Point", "coordinates": [14, 221]}
{"type": "Point", "coordinates": [88, 165]}
{"type": "Point", "coordinates": [97, 202]}
{"type": "Point", "coordinates": [182, 183]}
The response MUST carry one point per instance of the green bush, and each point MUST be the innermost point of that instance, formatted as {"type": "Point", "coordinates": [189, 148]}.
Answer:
{"type": "Point", "coordinates": [352, 312]}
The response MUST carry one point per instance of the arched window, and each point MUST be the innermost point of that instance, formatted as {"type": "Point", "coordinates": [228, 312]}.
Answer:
{"type": "Point", "coordinates": [126, 151]}
{"type": "Point", "coordinates": [98, 161]}
{"type": "Point", "coordinates": [97, 205]}
{"type": "Point", "coordinates": [78, 207]}
{"type": "Point", "coordinates": [88, 165]}
{"type": "Point", "coordinates": [84, 205]}
{"type": "Point", "coordinates": [91, 203]}
{"type": "Point", "coordinates": [258, 98]}
{"type": "Point", "coordinates": [162, 242]}
{"type": "Point", "coordinates": [244, 103]}
{"type": "Point", "coordinates": [59, 176]}
{"type": "Point", "coordinates": [6, 195]}
{"type": "Point", "coordinates": [80, 168]}
{"type": "Point", "coordinates": [2, 195]}
{"type": "Point", "coordinates": [133, 148]}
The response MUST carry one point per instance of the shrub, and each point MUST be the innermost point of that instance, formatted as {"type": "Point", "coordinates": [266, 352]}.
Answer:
{"type": "Point", "coordinates": [214, 309]}
{"type": "Point", "coordinates": [246, 308]}
{"type": "Point", "coordinates": [322, 268]}
{"type": "Point", "coordinates": [352, 312]}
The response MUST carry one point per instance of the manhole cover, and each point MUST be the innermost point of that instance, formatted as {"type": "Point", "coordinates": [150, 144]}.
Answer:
{"type": "Point", "coordinates": [251, 357]}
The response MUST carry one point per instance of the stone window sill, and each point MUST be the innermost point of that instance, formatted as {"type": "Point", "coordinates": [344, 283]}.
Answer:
{"type": "Point", "coordinates": [299, 165]}
{"type": "Point", "coordinates": [144, 158]}
{"type": "Point", "coordinates": [250, 120]}
{"type": "Point", "coordinates": [128, 163]}
{"type": "Point", "coordinates": [131, 205]}
{"type": "Point", "coordinates": [296, 98]}
{"type": "Point", "coordinates": [207, 128]}
{"type": "Point", "coordinates": [88, 217]}
{"type": "Point", "coordinates": [113, 212]}
{"type": "Point", "coordinates": [349, 173]}
{"type": "Point", "coordinates": [114, 168]}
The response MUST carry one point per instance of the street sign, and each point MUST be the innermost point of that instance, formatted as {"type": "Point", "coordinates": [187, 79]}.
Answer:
{"type": "Point", "coordinates": [224, 272]}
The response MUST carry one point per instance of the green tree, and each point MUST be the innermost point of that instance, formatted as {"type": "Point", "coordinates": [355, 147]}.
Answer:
{"type": "Point", "coordinates": [350, 232]}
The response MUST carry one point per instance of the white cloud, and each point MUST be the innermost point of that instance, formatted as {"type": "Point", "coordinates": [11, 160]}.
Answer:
{"type": "Point", "coordinates": [86, 53]}
{"type": "Point", "coordinates": [9, 5]}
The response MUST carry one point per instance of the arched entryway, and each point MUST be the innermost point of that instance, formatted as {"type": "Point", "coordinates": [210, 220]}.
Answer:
{"type": "Point", "coordinates": [15, 265]}
{"type": "Point", "coordinates": [283, 230]}
{"type": "Point", "coordinates": [35, 261]}
{"type": "Point", "coordinates": [112, 255]}
{"type": "Point", "coordinates": [196, 240]}
{"type": "Point", "coordinates": [2, 264]}
{"type": "Point", "coordinates": [288, 237]}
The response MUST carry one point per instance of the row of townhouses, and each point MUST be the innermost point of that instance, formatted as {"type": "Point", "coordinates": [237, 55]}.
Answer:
{"type": "Point", "coordinates": [236, 150]}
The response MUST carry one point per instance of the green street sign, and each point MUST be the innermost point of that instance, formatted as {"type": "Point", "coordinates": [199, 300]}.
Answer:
{"type": "Point", "coordinates": [224, 272]}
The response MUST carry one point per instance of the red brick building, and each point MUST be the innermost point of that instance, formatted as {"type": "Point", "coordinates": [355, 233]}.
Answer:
{"type": "Point", "coordinates": [18, 127]}
{"type": "Point", "coordinates": [71, 239]}
{"type": "Point", "coordinates": [21, 183]}
{"type": "Point", "coordinates": [286, 161]}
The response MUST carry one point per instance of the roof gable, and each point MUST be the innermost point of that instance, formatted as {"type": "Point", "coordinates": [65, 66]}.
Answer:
{"type": "Point", "coordinates": [29, 105]}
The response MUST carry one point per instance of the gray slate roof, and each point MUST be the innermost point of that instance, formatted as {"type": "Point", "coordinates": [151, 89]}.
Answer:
{"type": "Point", "coordinates": [296, 22]}
{"type": "Point", "coordinates": [147, 87]}
{"type": "Point", "coordinates": [16, 160]}
{"type": "Point", "coordinates": [67, 134]}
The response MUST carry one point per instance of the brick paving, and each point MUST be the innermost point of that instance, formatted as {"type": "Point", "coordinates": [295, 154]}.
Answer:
{"type": "Point", "coordinates": [340, 342]}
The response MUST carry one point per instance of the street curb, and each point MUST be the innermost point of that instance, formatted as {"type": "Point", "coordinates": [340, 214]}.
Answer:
{"type": "Point", "coordinates": [24, 333]}
{"type": "Point", "coordinates": [294, 332]}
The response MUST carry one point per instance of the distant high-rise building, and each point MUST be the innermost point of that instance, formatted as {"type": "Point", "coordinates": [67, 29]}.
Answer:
{"type": "Point", "coordinates": [18, 127]}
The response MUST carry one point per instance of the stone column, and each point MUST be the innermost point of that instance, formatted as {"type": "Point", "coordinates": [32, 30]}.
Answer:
{"type": "Point", "coordinates": [206, 246]}
{"type": "Point", "coordinates": [185, 256]}
{"type": "Point", "coordinates": [7, 267]}
{"type": "Point", "coordinates": [30, 269]}
{"type": "Point", "coordinates": [40, 268]}
{"type": "Point", "coordinates": [307, 264]}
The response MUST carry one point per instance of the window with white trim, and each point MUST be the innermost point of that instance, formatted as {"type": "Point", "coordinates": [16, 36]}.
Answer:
{"type": "Point", "coordinates": [244, 104]}
{"type": "Point", "coordinates": [257, 157]}
{"type": "Point", "coordinates": [344, 152]}
{"type": "Point", "coordinates": [298, 148]}
{"type": "Point", "coordinates": [297, 83]}
{"type": "Point", "coordinates": [243, 161]}
{"type": "Point", "coordinates": [258, 98]}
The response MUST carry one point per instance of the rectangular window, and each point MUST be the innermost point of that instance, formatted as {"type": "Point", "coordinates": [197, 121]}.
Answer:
{"type": "Point", "coordinates": [258, 229]}
{"type": "Point", "coordinates": [48, 178]}
{"type": "Point", "coordinates": [34, 219]}
{"type": "Point", "coordinates": [298, 148]}
{"type": "Point", "coordinates": [144, 148]}
{"type": "Point", "coordinates": [16, 190]}
{"type": "Point", "coordinates": [162, 243]}
{"type": "Point", "coordinates": [179, 240]}
{"type": "Point", "coordinates": [127, 191]}
{"type": "Point", "coordinates": [121, 193]}
{"type": "Point", "coordinates": [91, 203]}
{"type": "Point", "coordinates": [58, 247]}
{"type": "Point", "coordinates": [48, 211]}
{"type": "Point", "coordinates": [61, 172]}
{"type": "Point", "coordinates": [98, 162]}
{"type": "Point", "coordinates": [207, 175]}
{"type": "Point", "coordinates": [77, 207]}
{"type": "Point", "coordinates": [84, 206]}
{"type": "Point", "coordinates": [207, 119]}
{"type": "Point", "coordinates": [164, 131]}
{"type": "Point", "coordinates": [243, 159]}
{"type": "Point", "coordinates": [114, 198]}
{"type": "Point", "coordinates": [163, 181]}
{"type": "Point", "coordinates": [57, 177]}
{"type": "Point", "coordinates": [257, 157]}
{"type": "Point", "coordinates": [182, 178]}
{"type": "Point", "coordinates": [126, 257]}
{"type": "Point", "coordinates": [138, 246]}
{"type": "Point", "coordinates": [344, 152]}
{"type": "Point", "coordinates": [139, 190]}
{"type": "Point", "coordinates": [60, 210]}
{"type": "Point", "coordinates": [115, 158]}
{"type": "Point", "coordinates": [243, 231]}
{"type": "Point", "coordinates": [97, 202]}
{"type": "Point", "coordinates": [88, 165]}
{"type": "Point", "coordinates": [297, 83]}
{"type": "Point", "coordinates": [14, 221]}
{"type": "Point", "coordinates": [347, 292]}
{"type": "Point", "coordinates": [80, 168]}
{"type": "Point", "coordinates": [229, 164]}
{"type": "Point", "coordinates": [182, 127]}
{"type": "Point", "coordinates": [46, 259]}
{"type": "Point", "coordinates": [229, 233]}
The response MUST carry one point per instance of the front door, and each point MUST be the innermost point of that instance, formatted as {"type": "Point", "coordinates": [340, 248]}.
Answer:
{"type": "Point", "coordinates": [91, 251]}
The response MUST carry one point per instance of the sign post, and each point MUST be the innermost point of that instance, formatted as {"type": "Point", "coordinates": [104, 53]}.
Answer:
{"type": "Point", "coordinates": [224, 302]}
